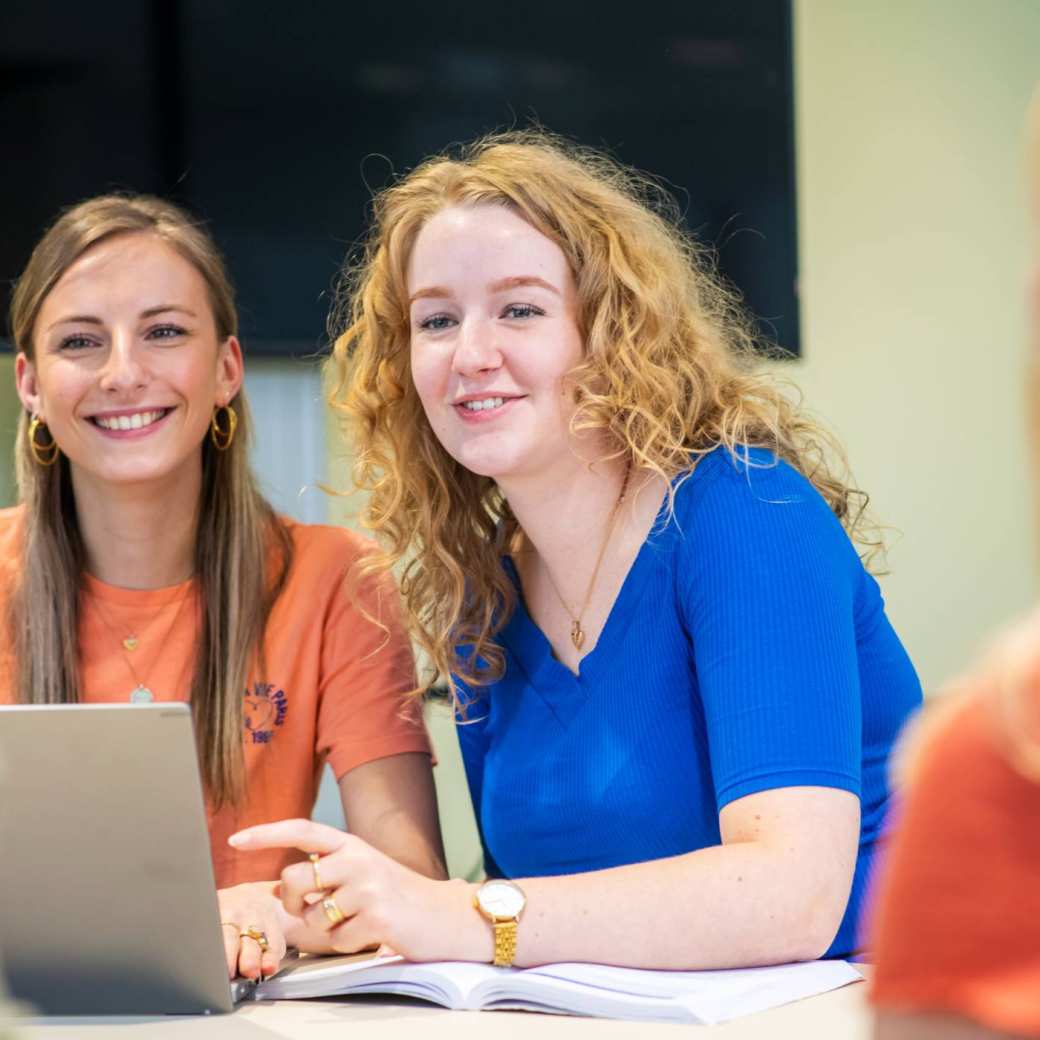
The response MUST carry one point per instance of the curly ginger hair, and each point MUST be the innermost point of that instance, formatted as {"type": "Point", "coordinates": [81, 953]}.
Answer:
{"type": "Point", "coordinates": [668, 375]}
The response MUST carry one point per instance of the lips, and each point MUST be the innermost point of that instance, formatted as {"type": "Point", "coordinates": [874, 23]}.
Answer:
{"type": "Point", "coordinates": [482, 408]}
{"type": "Point", "coordinates": [482, 404]}
{"type": "Point", "coordinates": [128, 421]}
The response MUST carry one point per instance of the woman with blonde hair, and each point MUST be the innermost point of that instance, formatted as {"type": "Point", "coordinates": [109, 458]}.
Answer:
{"type": "Point", "coordinates": [676, 683]}
{"type": "Point", "coordinates": [142, 562]}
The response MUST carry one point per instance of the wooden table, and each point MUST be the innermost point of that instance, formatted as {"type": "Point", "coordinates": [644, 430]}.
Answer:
{"type": "Point", "coordinates": [839, 1015]}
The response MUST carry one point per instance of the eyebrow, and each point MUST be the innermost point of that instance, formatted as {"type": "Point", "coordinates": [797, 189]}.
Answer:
{"type": "Point", "coordinates": [522, 280]}
{"type": "Point", "coordinates": [151, 312]}
{"type": "Point", "coordinates": [514, 282]}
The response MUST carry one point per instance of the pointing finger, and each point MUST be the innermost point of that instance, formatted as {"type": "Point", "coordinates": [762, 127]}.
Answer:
{"type": "Point", "coordinates": [305, 835]}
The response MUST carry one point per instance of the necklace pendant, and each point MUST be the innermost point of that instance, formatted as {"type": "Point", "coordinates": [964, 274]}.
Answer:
{"type": "Point", "coordinates": [141, 695]}
{"type": "Point", "coordinates": [577, 634]}
{"type": "Point", "coordinates": [131, 643]}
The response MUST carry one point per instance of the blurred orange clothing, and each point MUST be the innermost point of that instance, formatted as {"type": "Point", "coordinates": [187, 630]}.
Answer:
{"type": "Point", "coordinates": [957, 923]}
{"type": "Point", "coordinates": [333, 689]}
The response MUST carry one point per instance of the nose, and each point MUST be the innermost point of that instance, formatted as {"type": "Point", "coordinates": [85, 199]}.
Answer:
{"type": "Point", "coordinates": [476, 348]}
{"type": "Point", "coordinates": [124, 368]}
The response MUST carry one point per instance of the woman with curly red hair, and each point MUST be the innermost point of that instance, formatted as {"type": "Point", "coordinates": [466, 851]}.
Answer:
{"type": "Point", "coordinates": [631, 552]}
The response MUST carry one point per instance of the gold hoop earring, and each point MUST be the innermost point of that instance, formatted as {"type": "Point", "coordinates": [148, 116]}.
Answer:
{"type": "Point", "coordinates": [222, 437]}
{"type": "Point", "coordinates": [44, 454]}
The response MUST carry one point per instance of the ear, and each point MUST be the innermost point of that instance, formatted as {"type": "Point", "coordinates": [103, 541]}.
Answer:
{"type": "Point", "coordinates": [27, 385]}
{"type": "Point", "coordinates": [230, 370]}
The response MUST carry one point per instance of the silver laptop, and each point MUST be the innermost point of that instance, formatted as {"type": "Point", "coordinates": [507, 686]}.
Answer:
{"type": "Point", "coordinates": [107, 898]}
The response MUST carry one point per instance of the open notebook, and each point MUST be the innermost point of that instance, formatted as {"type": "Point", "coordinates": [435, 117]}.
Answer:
{"type": "Point", "coordinates": [699, 997]}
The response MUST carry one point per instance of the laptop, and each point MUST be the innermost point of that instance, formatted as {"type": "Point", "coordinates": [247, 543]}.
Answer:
{"type": "Point", "coordinates": [107, 899]}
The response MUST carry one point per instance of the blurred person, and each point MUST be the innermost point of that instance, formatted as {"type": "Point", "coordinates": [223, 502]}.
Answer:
{"type": "Point", "coordinates": [957, 929]}
{"type": "Point", "coordinates": [675, 680]}
{"type": "Point", "coordinates": [142, 562]}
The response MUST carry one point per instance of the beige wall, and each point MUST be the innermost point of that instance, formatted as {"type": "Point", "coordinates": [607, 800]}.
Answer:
{"type": "Point", "coordinates": [913, 245]}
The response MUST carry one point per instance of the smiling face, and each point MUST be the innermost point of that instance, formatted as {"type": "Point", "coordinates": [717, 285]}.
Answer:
{"type": "Point", "coordinates": [127, 366]}
{"type": "Point", "coordinates": [494, 331]}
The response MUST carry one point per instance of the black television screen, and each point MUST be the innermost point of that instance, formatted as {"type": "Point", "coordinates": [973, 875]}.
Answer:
{"type": "Point", "coordinates": [275, 123]}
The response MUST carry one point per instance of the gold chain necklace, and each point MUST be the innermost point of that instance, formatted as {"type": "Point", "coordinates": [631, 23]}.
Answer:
{"type": "Point", "coordinates": [141, 693]}
{"type": "Point", "coordinates": [577, 632]}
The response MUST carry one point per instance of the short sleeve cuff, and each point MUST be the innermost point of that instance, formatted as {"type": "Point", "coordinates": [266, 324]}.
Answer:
{"type": "Point", "coordinates": [792, 778]}
{"type": "Point", "coordinates": [344, 759]}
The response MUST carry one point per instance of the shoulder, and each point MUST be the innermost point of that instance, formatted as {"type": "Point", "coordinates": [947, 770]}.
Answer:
{"type": "Point", "coordinates": [752, 496]}
{"type": "Point", "coordinates": [12, 532]}
{"type": "Point", "coordinates": [325, 568]}
{"type": "Point", "coordinates": [12, 523]}
{"type": "Point", "coordinates": [964, 798]}
{"type": "Point", "coordinates": [964, 750]}
{"type": "Point", "coordinates": [324, 548]}
{"type": "Point", "coordinates": [746, 478]}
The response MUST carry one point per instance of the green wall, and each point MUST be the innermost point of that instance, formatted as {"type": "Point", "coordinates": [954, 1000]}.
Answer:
{"type": "Point", "coordinates": [10, 409]}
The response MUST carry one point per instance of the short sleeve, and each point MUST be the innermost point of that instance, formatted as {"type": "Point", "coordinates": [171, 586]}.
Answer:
{"type": "Point", "coordinates": [768, 582]}
{"type": "Point", "coordinates": [957, 922]}
{"type": "Point", "coordinates": [366, 671]}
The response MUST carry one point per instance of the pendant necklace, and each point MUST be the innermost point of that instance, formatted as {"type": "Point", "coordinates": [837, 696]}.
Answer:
{"type": "Point", "coordinates": [577, 632]}
{"type": "Point", "coordinates": [141, 693]}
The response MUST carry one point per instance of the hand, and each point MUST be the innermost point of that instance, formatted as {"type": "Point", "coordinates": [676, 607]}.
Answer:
{"type": "Point", "coordinates": [253, 905]}
{"type": "Point", "coordinates": [384, 903]}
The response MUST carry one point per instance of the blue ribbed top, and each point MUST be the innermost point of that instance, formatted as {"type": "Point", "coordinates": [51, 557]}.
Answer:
{"type": "Point", "coordinates": [748, 649]}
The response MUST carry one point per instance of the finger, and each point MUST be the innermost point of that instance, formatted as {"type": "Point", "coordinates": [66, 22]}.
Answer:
{"type": "Point", "coordinates": [272, 959]}
{"type": "Point", "coordinates": [317, 917]}
{"type": "Point", "coordinates": [254, 961]}
{"type": "Point", "coordinates": [353, 936]}
{"type": "Point", "coordinates": [295, 885]}
{"type": "Point", "coordinates": [229, 932]}
{"type": "Point", "coordinates": [248, 958]}
{"type": "Point", "coordinates": [296, 888]}
{"type": "Point", "coordinates": [305, 835]}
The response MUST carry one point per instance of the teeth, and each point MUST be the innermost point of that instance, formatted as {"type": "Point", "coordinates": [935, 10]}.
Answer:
{"type": "Point", "coordinates": [129, 422]}
{"type": "Point", "coordinates": [487, 402]}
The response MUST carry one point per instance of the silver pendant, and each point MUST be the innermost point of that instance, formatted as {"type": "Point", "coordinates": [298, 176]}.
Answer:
{"type": "Point", "coordinates": [141, 695]}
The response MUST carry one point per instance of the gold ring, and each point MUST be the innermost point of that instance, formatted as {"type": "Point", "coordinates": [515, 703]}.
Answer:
{"type": "Point", "coordinates": [332, 911]}
{"type": "Point", "coordinates": [257, 935]}
{"type": "Point", "coordinates": [230, 924]}
{"type": "Point", "coordinates": [314, 857]}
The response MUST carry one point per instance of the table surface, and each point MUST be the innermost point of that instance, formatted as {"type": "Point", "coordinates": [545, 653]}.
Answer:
{"type": "Point", "coordinates": [842, 1013]}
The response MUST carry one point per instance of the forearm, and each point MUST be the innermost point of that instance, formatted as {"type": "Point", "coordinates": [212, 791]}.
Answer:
{"type": "Point", "coordinates": [391, 803]}
{"type": "Point", "coordinates": [734, 905]}
{"type": "Point", "coordinates": [412, 844]}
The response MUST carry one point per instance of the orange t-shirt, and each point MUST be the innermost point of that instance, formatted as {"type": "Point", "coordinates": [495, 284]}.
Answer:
{"type": "Point", "coordinates": [957, 923]}
{"type": "Point", "coordinates": [333, 689]}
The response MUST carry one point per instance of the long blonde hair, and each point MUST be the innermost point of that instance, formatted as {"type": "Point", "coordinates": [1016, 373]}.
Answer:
{"type": "Point", "coordinates": [667, 375]}
{"type": "Point", "coordinates": [237, 530]}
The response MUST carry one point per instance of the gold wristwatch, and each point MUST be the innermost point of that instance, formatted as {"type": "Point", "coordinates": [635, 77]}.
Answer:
{"type": "Point", "coordinates": [502, 903]}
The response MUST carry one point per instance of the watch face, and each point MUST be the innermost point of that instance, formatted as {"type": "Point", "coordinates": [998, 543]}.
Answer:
{"type": "Point", "coordinates": [501, 898]}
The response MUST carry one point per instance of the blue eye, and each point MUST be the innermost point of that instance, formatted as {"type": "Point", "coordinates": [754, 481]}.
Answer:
{"type": "Point", "coordinates": [522, 310]}
{"type": "Point", "coordinates": [436, 323]}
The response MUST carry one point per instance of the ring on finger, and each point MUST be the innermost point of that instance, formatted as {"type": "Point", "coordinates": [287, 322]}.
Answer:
{"type": "Point", "coordinates": [258, 935]}
{"type": "Point", "coordinates": [332, 911]}
{"type": "Point", "coordinates": [314, 857]}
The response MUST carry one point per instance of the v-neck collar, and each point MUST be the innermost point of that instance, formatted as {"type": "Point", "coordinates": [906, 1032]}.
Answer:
{"type": "Point", "coordinates": [563, 691]}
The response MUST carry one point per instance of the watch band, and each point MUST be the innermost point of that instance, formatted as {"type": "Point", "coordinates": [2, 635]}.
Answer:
{"type": "Point", "coordinates": [505, 942]}
{"type": "Point", "coordinates": [501, 902]}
